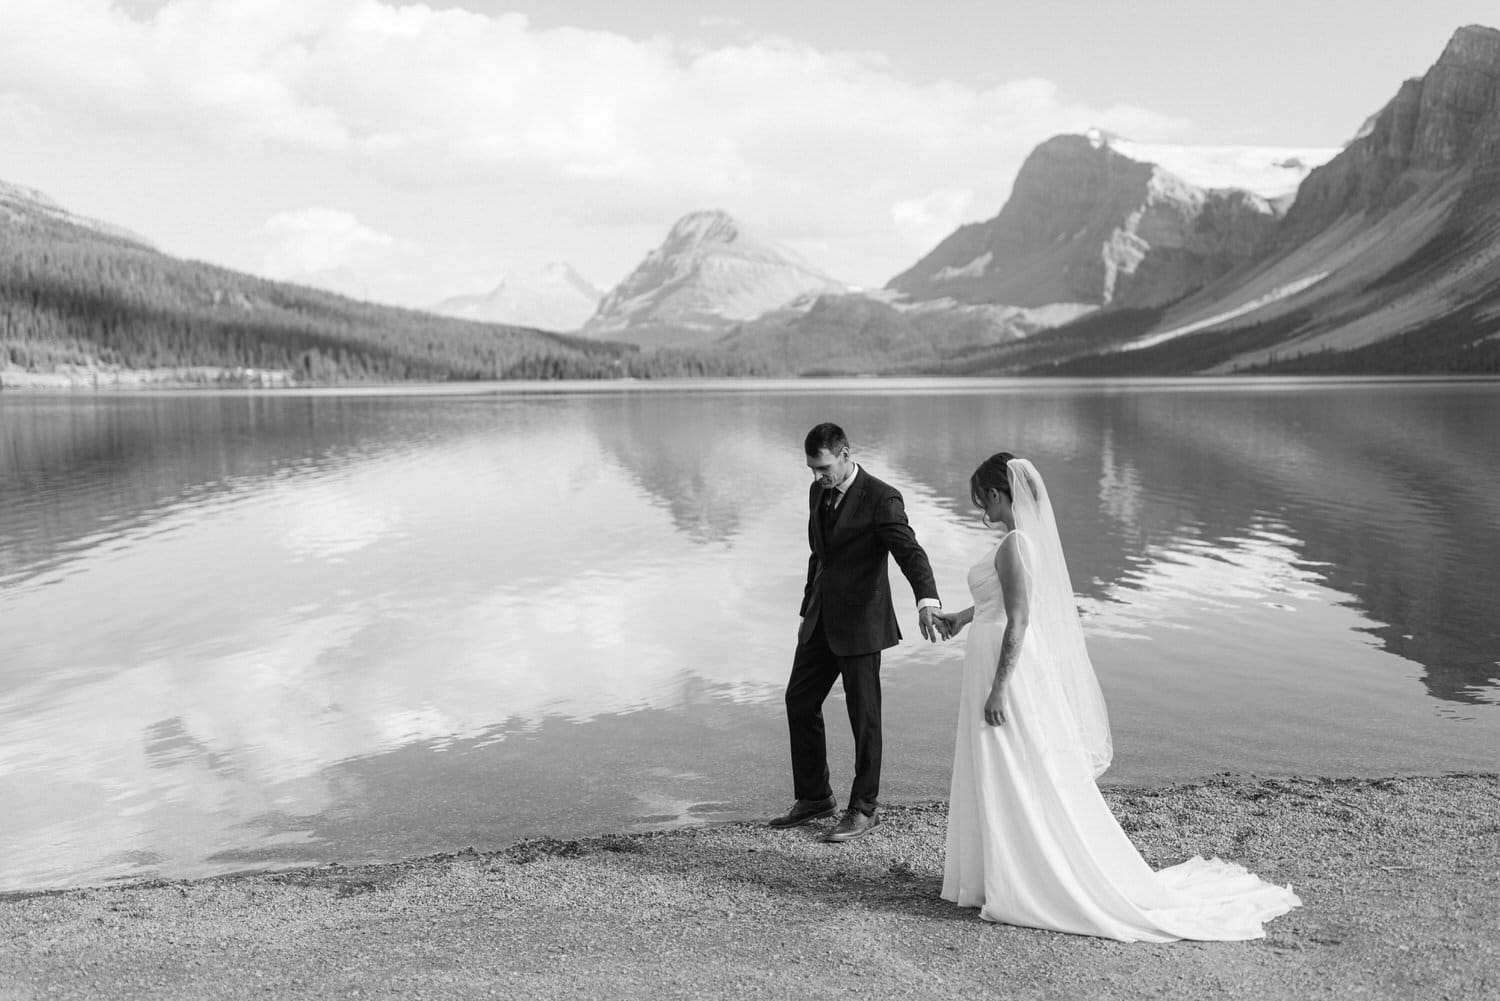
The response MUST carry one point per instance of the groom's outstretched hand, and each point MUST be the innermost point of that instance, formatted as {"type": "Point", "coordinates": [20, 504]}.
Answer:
{"type": "Point", "coordinates": [934, 626]}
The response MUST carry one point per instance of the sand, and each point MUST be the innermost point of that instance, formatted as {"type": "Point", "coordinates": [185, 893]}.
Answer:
{"type": "Point", "coordinates": [1400, 879]}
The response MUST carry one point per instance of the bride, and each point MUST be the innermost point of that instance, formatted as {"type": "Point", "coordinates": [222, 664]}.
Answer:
{"type": "Point", "coordinates": [1030, 839]}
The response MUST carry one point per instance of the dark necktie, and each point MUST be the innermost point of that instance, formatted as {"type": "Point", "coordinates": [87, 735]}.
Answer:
{"type": "Point", "coordinates": [826, 508]}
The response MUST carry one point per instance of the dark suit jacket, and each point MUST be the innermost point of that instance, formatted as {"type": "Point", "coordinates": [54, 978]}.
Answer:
{"type": "Point", "coordinates": [848, 579]}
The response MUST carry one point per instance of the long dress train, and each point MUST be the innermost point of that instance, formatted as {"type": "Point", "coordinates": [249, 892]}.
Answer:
{"type": "Point", "coordinates": [1030, 839]}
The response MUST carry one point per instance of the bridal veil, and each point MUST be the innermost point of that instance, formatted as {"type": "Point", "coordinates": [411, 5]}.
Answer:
{"type": "Point", "coordinates": [1054, 612]}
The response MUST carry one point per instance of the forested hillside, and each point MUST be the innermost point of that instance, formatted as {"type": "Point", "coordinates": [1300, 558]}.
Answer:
{"type": "Point", "coordinates": [71, 295]}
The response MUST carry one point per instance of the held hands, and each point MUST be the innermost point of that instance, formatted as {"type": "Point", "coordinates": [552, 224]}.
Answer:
{"type": "Point", "coordinates": [994, 713]}
{"type": "Point", "coordinates": [953, 621]}
{"type": "Point", "coordinates": [934, 624]}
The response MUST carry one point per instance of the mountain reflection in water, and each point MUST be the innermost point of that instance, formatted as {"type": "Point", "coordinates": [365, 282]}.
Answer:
{"type": "Point", "coordinates": [247, 630]}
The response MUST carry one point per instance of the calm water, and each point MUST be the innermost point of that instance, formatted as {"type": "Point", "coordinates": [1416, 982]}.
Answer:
{"type": "Point", "coordinates": [240, 631]}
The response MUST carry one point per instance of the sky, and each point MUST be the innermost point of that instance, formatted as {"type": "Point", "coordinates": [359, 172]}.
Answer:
{"type": "Point", "coordinates": [411, 152]}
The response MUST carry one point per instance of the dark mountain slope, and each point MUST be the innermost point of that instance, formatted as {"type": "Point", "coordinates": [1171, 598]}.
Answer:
{"type": "Point", "coordinates": [73, 293]}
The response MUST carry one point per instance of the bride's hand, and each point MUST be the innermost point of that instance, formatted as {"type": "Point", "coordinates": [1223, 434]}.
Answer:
{"type": "Point", "coordinates": [954, 622]}
{"type": "Point", "coordinates": [994, 712]}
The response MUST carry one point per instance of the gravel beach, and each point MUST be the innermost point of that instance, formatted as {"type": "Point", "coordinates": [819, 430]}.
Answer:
{"type": "Point", "coordinates": [1400, 879]}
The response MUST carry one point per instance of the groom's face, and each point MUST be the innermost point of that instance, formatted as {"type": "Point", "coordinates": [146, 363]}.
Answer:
{"type": "Point", "coordinates": [829, 468]}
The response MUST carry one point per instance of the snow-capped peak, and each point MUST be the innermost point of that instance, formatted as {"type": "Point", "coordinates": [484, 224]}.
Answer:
{"type": "Point", "coordinates": [1099, 138]}
{"type": "Point", "coordinates": [710, 270]}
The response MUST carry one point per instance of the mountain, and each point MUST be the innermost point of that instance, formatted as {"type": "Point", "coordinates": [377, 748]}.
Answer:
{"type": "Point", "coordinates": [86, 303]}
{"type": "Point", "coordinates": [22, 207]}
{"type": "Point", "coordinates": [861, 333]}
{"type": "Point", "coordinates": [1109, 258]}
{"type": "Point", "coordinates": [554, 298]}
{"type": "Point", "coordinates": [1387, 262]}
{"type": "Point", "coordinates": [707, 275]}
{"type": "Point", "coordinates": [1095, 219]}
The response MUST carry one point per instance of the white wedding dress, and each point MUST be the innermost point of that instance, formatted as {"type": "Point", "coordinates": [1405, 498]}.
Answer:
{"type": "Point", "coordinates": [1030, 839]}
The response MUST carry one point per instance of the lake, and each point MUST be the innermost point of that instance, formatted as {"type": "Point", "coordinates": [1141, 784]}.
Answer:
{"type": "Point", "coordinates": [244, 630]}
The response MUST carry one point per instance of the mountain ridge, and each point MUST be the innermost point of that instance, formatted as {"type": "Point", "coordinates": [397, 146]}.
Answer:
{"type": "Point", "coordinates": [90, 304]}
{"type": "Point", "coordinates": [1110, 257]}
{"type": "Point", "coordinates": [1386, 261]}
{"type": "Point", "coordinates": [555, 297]}
{"type": "Point", "coordinates": [1089, 222]}
{"type": "Point", "coordinates": [23, 206]}
{"type": "Point", "coordinates": [1398, 231]}
{"type": "Point", "coordinates": [709, 273]}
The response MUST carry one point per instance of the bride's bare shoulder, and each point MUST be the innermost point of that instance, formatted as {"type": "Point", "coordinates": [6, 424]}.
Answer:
{"type": "Point", "coordinates": [1009, 546]}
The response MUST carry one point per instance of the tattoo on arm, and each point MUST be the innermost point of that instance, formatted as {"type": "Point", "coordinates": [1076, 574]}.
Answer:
{"type": "Point", "coordinates": [1010, 651]}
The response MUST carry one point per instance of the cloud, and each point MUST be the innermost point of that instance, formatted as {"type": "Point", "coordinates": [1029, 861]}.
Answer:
{"type": "Point", "coordinates": [825, 148]}
{"type": "Point", "coordinates": [312, 240]}
{"type": "Point", "coordinates": [926, 220]}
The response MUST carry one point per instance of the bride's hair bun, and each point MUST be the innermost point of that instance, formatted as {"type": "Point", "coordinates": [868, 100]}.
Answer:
{"type": "Point", "coordinates": [993, 474]}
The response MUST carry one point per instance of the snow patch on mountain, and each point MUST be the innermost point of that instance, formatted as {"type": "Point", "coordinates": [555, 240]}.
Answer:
{"type": "Point", "coordinates": [1273, 172]}
{"type": "Point", "coordinates": [973, 269]}
{"type": "Point", "coordinates": [1275, 295]}
{"type": "Point", "coordinates": [1013, 321]}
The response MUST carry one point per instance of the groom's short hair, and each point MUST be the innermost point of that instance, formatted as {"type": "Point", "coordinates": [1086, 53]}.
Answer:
{"type": "Point", "coordinates": [825, 436]}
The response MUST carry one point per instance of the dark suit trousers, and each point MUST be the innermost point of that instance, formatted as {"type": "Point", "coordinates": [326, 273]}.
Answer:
{"type": "Point", "coordinates": [814, 668]}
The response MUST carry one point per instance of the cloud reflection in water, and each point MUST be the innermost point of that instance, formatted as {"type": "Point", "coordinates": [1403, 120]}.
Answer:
{"type": "Point", "coordinates": [345, 626]}
{"type": "Point", "coordinates": [414, 598]}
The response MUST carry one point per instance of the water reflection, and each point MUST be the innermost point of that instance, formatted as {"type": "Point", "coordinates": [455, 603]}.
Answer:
{"type": "Point", "coordinates": [505, 573]}
{"type": "Point", "coordinates": [711, 462]}
{"type": "Point", "coordinates": [284, 628]}
{"type": "Point", "coordinates": [1389, 490]}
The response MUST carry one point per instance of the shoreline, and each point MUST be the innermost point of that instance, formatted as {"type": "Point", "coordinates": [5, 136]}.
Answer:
{"type": "Point", "coordinates": [500, 846]}
{"type": "Point", "coordinates": [116, 378]}
{"type": "Point", "coordinates": [84, 380]}
{"type": "Point", "coordinates": [1400, 878]}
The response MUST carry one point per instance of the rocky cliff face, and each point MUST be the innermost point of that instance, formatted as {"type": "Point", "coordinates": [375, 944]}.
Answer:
{"type": "Point", "coordinates": [709, 274]}
{"type": "Point", "coordinates": [1445, 122]}
{"type": "Point", "coordinates": [1093, 220]}
{"type": "Point", "coordinates": [1097, 220]}
{"type": "Point", "coordinates": [1395, 241]}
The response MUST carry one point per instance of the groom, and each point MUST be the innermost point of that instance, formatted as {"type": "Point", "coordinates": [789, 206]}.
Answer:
{"type": "Point", "coordinates": [854, 522]}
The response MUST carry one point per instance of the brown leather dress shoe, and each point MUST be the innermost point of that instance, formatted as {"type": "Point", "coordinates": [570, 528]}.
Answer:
{"type": "Point", "coordinates": [805, 810]}
{"type": "Point", "coordinates": [853, 825]}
